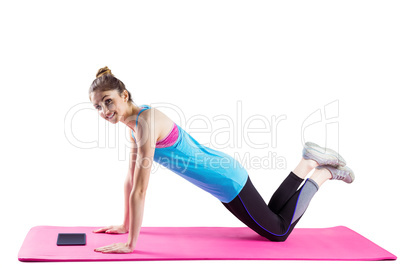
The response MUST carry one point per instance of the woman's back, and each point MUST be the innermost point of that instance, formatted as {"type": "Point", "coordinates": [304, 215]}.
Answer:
{"type": "Point", "coordinates": [211, 170]}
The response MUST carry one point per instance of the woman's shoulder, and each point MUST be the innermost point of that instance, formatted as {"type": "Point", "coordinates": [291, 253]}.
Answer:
{"type": "Point", "coordinates": [149, 110]}
{"type": "Point", "coordinates": [149, 117]}
{"type": "Point", "coordinates": [157, 119]}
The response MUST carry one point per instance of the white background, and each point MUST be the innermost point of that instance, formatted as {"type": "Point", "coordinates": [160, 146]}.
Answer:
{"type": "Point", "coordinates": [276, 58]}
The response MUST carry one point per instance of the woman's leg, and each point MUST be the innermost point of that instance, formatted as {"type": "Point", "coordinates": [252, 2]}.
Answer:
{"type": "Point", "coordinates": [287, 205]}
{"type": "Point", "coordinates": [320, 176]}
{"type": "Point", "coordinates": [294, 209]}
{"type": "Point", "coordinates": [291, 184]}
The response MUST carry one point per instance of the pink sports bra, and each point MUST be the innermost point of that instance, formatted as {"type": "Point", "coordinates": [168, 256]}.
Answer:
{"type": "Point", "coordinates": [170, 139]}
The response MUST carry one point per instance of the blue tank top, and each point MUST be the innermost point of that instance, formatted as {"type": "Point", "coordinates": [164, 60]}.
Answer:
{"type": "Point", "coordinates": [213, 171]}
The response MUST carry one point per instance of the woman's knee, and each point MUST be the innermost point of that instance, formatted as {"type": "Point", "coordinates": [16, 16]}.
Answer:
{"type": "Point", "coordinates": [275, 238]}
{"type": "Point", "coordinates": [280, 238]}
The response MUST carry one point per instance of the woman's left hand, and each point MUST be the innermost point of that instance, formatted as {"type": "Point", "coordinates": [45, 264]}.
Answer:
{"type": "Point", "coordinates": [116, 248]}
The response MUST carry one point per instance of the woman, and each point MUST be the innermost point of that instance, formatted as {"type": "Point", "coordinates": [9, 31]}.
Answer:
{"type": "Point", "coordinates": [154, 136]}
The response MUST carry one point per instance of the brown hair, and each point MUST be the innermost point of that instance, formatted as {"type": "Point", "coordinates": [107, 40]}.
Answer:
{"type": "Point", "coordinates": [105, 81]}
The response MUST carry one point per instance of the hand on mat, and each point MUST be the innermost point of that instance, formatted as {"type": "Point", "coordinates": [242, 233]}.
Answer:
{"type": "Point", "coordinates": [112, 229]}
{"type": "Point", "coordinates": [115, 248]}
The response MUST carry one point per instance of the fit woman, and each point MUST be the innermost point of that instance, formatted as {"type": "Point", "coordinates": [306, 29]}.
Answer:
{"type": "Point", "coordinates": [154, 136]}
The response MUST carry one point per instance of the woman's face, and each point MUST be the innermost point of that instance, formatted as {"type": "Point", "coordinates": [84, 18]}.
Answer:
{"type": "Point", "coordinates": [110, 105]}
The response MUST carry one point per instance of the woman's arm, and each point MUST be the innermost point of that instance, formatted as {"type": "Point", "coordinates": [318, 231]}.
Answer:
{"type": "Point", "coordinates": [146, 140]}
{"type": "Point", "coordinates": [137, 203]}
{"type": "Point", "coordinates": [128, 184]}
{"type": "Point", "coordinates": [142, 172]}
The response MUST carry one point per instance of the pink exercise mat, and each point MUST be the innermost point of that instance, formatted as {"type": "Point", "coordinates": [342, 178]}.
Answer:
{"type": "Point", "coordinates": [204, 243]}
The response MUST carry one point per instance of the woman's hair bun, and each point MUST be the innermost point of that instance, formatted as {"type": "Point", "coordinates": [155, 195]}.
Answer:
{"type": "Point", "coordinates": [103, 71]}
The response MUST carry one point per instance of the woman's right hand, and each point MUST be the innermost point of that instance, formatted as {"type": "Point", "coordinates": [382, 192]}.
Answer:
{"type": "Point", "coordinates": [112, 229]}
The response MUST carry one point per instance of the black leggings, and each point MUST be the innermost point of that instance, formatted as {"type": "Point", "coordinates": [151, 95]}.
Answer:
{"type": "Point", "coordinates": [277, 220]}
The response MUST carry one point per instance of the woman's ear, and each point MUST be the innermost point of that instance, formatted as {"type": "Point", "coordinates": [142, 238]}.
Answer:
{"type": "Point", "coordinates": [125, 95]}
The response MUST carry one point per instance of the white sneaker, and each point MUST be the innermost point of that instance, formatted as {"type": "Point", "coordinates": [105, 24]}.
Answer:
{"type": "Point", "coordinates": [340, 173]}
{"type": "Point", "coordinates": [323, 156]}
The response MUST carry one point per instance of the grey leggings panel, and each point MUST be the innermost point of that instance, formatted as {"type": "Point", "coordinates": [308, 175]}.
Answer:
{"type": "Point", "coordinates": [309, 189]}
